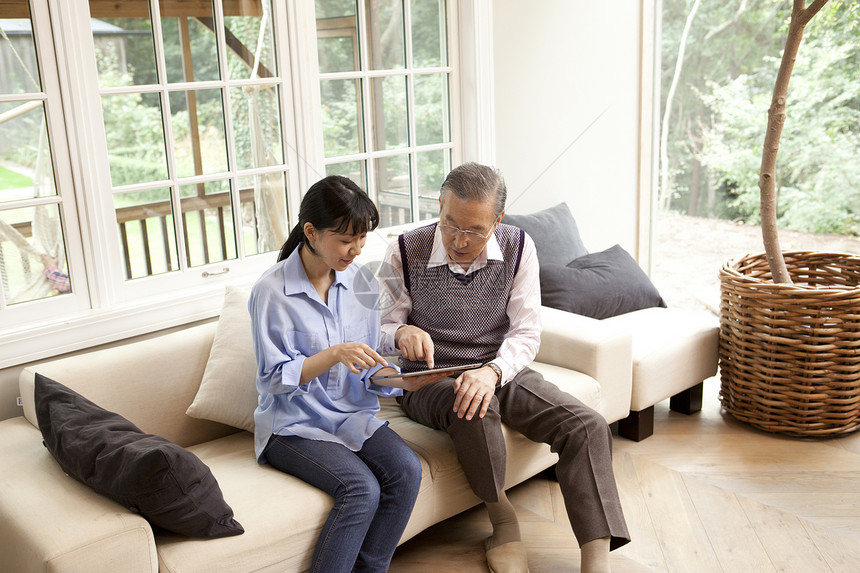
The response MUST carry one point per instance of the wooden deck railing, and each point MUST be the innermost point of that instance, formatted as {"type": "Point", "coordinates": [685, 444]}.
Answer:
{"type": "Point", "coordinates": [395, 209]}
{"type": "Point", "coordinates": [140, 215]}
{"type": "Point", "coordinates": [161, 210]}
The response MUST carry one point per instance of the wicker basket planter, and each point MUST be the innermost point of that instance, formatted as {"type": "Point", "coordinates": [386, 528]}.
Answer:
{"type": "Point", "coordinates": [790, 354]}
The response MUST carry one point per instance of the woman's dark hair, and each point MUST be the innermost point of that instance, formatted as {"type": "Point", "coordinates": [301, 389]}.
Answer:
{"type": "Point", "coordinates": [334, 203]}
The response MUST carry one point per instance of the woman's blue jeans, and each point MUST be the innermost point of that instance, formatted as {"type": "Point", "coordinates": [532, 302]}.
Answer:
{"type": "Point", "coordinates": [374, 490]}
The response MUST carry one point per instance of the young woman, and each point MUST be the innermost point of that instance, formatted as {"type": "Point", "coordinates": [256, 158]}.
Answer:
{"type": "Point", "coordinates": [315, 333]}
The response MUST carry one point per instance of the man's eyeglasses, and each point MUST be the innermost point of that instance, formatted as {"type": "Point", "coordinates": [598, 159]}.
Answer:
{"type": "Point", "coordinates": [451, 231]}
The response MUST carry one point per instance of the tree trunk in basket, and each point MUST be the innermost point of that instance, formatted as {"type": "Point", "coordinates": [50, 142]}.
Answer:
{"type": "Point", "coordinates": [800, 17]}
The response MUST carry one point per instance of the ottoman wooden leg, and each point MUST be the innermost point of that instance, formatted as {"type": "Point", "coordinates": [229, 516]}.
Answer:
{"type": "Point", "coordinates": [637, 425]}
{"type": "Point", "coordinates": [687, 401]}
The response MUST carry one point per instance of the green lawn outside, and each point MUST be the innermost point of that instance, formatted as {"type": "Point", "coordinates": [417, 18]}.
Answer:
{"type": "Point", "coordinates": [11, 180]}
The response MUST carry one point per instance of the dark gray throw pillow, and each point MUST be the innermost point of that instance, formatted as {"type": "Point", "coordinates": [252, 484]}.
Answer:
{"type": "Point", "coordinates": [166, 484]}
{"type": "Point", "coordinates": [599, 285]}
{"type": "Point", "coordinates": [554, 232]}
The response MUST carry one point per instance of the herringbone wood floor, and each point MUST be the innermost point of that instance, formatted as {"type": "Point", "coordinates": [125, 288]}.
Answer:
{"type": "Point", "coordinates": [704, 493]}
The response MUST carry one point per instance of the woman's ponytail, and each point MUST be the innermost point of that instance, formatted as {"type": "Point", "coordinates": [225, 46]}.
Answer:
{"type": "Point", "coordinates": [297, 235]}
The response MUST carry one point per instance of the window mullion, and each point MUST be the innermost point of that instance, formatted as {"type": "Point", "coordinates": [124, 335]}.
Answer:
{"type": "Point", "coordinates": [230, 137]}
{"type": "Point", "coordinates": [300, 102]}
{"type": "Point", "coordinates": [367, 141]}
{"type": "Point", "coordinates": [87, 151]}
{"type": "Point", "coordinates": [410, 113]}
{"type": "Point", "coordinates": [169, 141]}
{"type": "Point", "coordinates": [475, 60]}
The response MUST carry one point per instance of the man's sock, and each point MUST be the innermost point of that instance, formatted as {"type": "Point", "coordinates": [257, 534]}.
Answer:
{"type": "Point", "coordinates": [595, 556]}
{"type": "Point", "coordinates": [506, 528]}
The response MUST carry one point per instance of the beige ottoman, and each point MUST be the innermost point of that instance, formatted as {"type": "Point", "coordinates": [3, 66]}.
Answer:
{"type": "Point", "coordinates": [674, 351]}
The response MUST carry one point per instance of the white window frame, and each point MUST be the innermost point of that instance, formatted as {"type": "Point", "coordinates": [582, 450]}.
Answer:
{"type": "Point", "coordinates": [365, 74]}
{"type": "Point", "coordinates": [75, 301]}
{"type": "Point", "coordinates": [111, 313]}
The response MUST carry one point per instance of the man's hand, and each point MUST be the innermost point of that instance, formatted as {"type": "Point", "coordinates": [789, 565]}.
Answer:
{"type": "Point", "coordinates": [474, 389]}
{"type": "Point", "coordinates": [414, 344]}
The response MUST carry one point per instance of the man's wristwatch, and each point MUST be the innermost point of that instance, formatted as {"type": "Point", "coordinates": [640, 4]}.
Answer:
{"type": "Point", "coordinates": [495, 368]}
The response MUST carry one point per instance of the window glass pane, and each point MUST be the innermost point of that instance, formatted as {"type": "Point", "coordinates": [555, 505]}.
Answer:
{"type": "Point", "coordinates": [257, 126]}
{"type": "Point", "coordinates": [135, 138]}
{"type": "Point", "coordinates": [337, 54]}
{"type": "Point", "coordinates": [334, 8]}
{"type": "Point", "coordinates": [198, 132]}
{"type": "Point", "coordinates": [190, 50]}
{"type": "Point", "coordinates": [207, 218]}
{"type": "Point", "coordinates": [391, 127]}
{"type": "Point", "coordinates": [385, 35]}
{"type": "Point", "coordinates": [355, 170]}
{"type": "Point", "coordinates": [145, 226]}
{"type": "Point", "coordinates": [122, 34]}
{"type": "Point", "coordinates": [432, 167]}
{"type": "Point", "coordinates": [395, 205]}
{"type": "Point", "coordinates": [26, 168]}
{"type": "Point", "coordinates": [432, 123]}
{"type": "Point", "coordinates": [341, 117]}
{"type": "Point", "coordinates": [32, 254]}
{"type": "Point", "coordinates": [428, 33]}
{"type": "Point", "coordinates": [337, 36]}
{"type": "Point", "coordinates": [265, 224]}
{"type": "Point", "coordinates": [246, 46]}
{"type": "Point", "coordinates": [18, 66]}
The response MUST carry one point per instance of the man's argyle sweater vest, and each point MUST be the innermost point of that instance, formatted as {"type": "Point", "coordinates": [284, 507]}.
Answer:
{"type": "Point", "coordinates": [465, 315]}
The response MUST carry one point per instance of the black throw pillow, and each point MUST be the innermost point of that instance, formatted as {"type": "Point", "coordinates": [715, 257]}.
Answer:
{"type": "Point", "coordinates": [599, 285]}
{"type": "Point", "coordinates": [166, 484]}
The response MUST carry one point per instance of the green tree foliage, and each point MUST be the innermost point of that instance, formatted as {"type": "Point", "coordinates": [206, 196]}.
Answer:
{"type": "Point", "coordinates": [722, 108]}
{"type": "Point", "coordinates": [726, 40]}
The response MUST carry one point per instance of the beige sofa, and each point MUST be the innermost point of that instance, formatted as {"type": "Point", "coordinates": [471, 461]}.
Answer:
{"type": "Point", "coordinates": [51, 522]}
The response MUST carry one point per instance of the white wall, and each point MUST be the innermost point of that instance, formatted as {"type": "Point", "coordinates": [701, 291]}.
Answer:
{"type": "Point", "coordinates": [559, 65]}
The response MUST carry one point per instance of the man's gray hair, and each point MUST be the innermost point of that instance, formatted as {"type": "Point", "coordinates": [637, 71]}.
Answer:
{"type": "Point", "coordinates": [475, 182]}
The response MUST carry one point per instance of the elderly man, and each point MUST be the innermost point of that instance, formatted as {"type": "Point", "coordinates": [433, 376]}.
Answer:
{"type": "Point", "coordinates": [466, 290]}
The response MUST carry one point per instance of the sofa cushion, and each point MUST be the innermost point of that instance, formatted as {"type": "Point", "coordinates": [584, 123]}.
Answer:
{"type": "Point", "coordinates": [282, 516]}
{"type": "Point", "coordinates": [673, 349]}
{"type": "Point", "coordinates": [169, 366]}
{"type": "Point", "coordinates": [554, 233]}
{"type": "Point", "coordinates": [228, 391]}
{"type": "Point", "coordinates": [148, 474]}
{"type": "Point", "coordinates": [598, 285]}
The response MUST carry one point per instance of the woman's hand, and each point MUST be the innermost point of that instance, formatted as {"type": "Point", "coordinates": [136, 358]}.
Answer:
{"type": "Point", "coordinates": [357, 356]}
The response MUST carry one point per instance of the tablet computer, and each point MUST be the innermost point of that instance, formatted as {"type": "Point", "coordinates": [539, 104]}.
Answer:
{"type": "Point", "coordinates": [450, 369]}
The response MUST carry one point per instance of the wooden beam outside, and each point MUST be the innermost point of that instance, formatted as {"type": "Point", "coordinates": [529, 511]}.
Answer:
{"type": "Point", "coordinates": [169, 8]}
{"type": "Point", "coordinates": [15, 9]}
{"type": "Point", "coordinates": [240, 49]}
{"type": "Point", "coordinates": [140, 8]}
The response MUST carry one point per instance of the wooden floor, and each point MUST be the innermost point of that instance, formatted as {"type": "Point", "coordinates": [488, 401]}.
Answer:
{"type": "Point", "coordinates": [704, 493]}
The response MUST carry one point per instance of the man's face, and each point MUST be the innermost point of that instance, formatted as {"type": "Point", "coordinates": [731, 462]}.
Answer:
{"type": "Point", "coordinates": [476, 216]}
